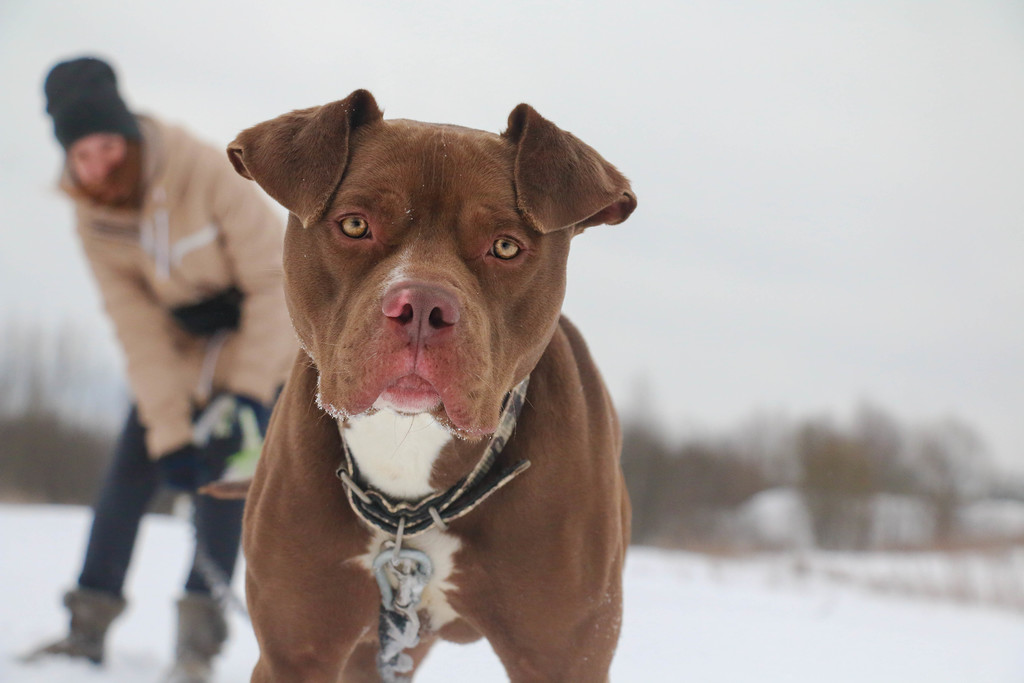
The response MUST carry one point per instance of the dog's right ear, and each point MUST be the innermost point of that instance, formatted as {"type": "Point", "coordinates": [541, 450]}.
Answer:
{"type": "Point", "coordinates": [299, 157]}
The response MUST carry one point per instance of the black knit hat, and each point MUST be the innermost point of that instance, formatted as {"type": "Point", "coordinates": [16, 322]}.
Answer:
{"type": "Point", "coordinates": [82, 98]}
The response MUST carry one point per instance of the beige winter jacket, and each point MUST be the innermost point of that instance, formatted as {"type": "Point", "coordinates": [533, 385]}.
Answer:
{"type": "Point", "coordinates": [201, 229]}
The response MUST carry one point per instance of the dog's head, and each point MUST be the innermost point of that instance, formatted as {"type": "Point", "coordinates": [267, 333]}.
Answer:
{"type": "Point", "coordinates": [425, 264]}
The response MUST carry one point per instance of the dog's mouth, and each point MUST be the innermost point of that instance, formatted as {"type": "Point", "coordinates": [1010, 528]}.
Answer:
{"type": "Point", "coordinates": [409, 394]}
{"type": "Point", "coordinates": [462, 408]}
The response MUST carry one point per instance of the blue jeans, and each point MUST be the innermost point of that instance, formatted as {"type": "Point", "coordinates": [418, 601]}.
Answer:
{"type": "Point", "coordinates": [132, 480]}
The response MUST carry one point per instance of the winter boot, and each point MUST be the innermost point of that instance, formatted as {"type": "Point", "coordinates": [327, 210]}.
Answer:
{"type": "Point", "coordinates": [202, 631]}
{"type": "Point", "coordinates": [92, 611]}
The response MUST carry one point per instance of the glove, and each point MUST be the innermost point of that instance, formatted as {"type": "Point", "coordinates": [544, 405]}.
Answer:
{"type": "Point", "coordinates": [259, 410]}
{"type": "Point", "coordinates": [253, 417]}
{"type": "Point", "coordinates": [180, 468]}
{"type": "Point", "coordinates": [230, 432]}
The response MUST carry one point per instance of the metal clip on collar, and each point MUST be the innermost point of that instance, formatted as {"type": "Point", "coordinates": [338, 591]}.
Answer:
{"type": "Point", "coordinates": [399, 622]}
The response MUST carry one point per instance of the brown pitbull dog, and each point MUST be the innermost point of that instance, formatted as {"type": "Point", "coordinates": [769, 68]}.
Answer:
{"type": "Point", "coordinates": [425, 272]}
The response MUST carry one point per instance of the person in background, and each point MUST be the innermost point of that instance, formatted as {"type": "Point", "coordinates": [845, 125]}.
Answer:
{"type": "Point", "coordinates": [187, 258]}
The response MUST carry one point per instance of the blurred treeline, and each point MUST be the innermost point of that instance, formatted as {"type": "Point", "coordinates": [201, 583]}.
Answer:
{"type": "Point", "coordinates": [769, 483]}
{"type": "Point", "coordinates": [60, 407]}
{"type": "Point", "coordinates": [871, 483]}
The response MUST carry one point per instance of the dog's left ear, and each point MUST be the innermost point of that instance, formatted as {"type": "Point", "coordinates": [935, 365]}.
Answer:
{"type": "Point", "coordinates": [299, 157]}
{"type": "Point", "coordinates": [560, 181]}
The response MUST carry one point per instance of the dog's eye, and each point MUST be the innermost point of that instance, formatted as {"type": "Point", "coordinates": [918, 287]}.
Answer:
{"type": "Point", "coordinates": [355, 227]}
{"type": "Point", "coordinates": [505, 249]}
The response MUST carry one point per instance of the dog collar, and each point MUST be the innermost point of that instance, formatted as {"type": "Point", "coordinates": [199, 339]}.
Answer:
{"type": "Point", "coordinates": [401, 518]}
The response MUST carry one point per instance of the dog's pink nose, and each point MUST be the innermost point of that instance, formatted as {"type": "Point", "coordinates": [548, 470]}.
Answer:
{"type": "Point", "coordinates": [422, 311]}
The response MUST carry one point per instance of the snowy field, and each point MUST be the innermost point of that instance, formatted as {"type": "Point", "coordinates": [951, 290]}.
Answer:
{"type": "Point", "coordinates": [687, 618]}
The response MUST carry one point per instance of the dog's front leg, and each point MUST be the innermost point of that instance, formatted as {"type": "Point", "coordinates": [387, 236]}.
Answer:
{"type": "Point", "coordinates": [573, 653]}
{"type": "Point", "coordinates": [310, 597]}
{"type": "Point", "coordinates": [544, 628]}
{"type": "Point", "coordinates": [310, 635]}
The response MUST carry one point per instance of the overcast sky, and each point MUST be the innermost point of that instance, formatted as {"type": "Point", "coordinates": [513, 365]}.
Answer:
{"type": "Point", "coordinates": [831, 194]}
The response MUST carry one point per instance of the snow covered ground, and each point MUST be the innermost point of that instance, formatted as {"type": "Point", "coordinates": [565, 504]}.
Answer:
{"type": "Point", "coordinates": [688, 618]}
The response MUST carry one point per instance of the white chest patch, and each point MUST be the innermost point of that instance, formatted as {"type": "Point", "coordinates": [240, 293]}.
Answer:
{"type": "Point", "coordinates": [396, 453]}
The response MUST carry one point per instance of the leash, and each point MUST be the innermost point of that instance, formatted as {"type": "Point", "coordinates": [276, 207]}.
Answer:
{"type": "Point", "coordinates": [220, 586]}
{"type": "Point", "coordinates": [402, 574]}
{"type": "Point", "coordinates": [217, 580]}
{"type": "Point", "coordinates": [217, 421]}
